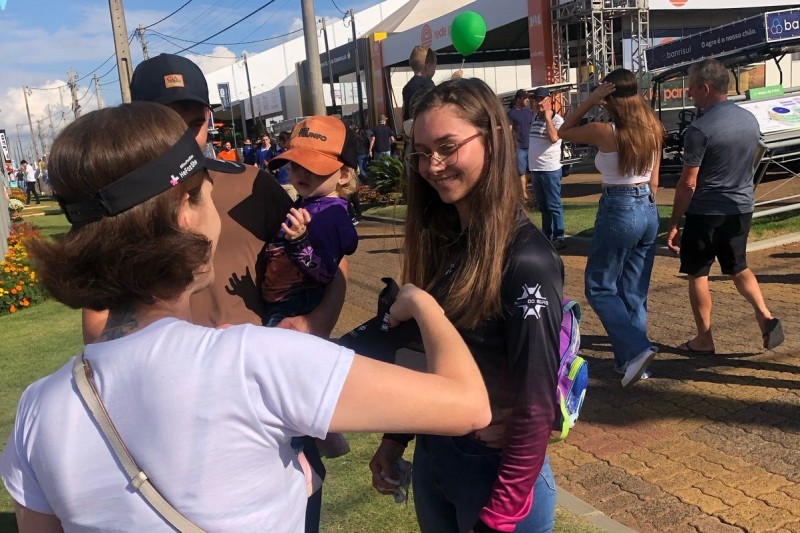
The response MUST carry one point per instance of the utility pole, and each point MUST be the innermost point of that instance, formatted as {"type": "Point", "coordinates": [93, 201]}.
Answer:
{"type": "Point", "coordinates": [41, 137]}
{"type": "Point", "coordinates": [97, 92]}
{"type": "Point", "coordinates": [63, 107]}
{"type": "Point", "coordinates": [358, 72]}
{"type": "Point", "coordinates": [124, 63]}
{"type": "Point", "coordinates": [52, 128]}
{"type": "Point", "coordinates": [142, 39]}
{"type": "Point", "coordinates": [26, 92]}
{"type": "Point", "coordinates": [20, 153]}
{"type": "Point", "coordinates": [330, 66]}
{"type": "Point", "coordinates": [250, 92]}
{"type": "Point", "coordinates": [72, 82]}
{"type": "Point", "coordinates": [312, 57]}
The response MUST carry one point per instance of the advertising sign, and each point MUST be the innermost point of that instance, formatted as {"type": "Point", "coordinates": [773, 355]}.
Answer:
{"type": "Point", "coordinates": [224, 95]}
{"type": "Point", "coordinates": [540, 40]}
{"type": "Point", "coordinates": [688, 5]}
{"type": "Point", "coordinates": [778, 114]}
{"type": "Point", "coordinates": [707, 44]}
{"type": "Point", "coordinates": [783, 25]}
{"type": "Point", "coordinates": [4, 146]}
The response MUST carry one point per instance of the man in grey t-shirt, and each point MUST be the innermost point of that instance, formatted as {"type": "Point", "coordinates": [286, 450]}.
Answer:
{"type": "Point", "coordinates": [715, 192]}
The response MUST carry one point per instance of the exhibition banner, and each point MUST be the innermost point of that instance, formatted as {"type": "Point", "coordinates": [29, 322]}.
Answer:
{"type": "Point", "coordinates": [711, 43]}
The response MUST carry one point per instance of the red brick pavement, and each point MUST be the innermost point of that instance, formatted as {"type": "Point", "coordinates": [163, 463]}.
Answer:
{"type": "Point", "coordinates": [707, 444]}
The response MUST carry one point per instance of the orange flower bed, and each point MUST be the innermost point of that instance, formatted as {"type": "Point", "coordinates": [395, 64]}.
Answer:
{"type": "Point", "coordinates": [19, 286]}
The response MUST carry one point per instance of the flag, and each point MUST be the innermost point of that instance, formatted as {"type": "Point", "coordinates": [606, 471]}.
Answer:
{"type": "Point", "coordinates": [224, 94]}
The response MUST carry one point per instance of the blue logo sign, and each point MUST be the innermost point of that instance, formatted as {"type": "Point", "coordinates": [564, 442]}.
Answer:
{"type": "Point", "coordinates": [782, 25]}
{"type": "Point", "coordinates": [224, 95]}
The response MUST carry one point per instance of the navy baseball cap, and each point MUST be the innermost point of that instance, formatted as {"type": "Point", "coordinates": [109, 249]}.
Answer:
{"type": "Point", "coordinates": [169, 78]}
{"type": "Point", "coordinates": [541, 92]}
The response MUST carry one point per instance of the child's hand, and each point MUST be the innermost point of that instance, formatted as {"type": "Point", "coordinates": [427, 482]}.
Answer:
{"type": "Point", "coordinates": [299, 219]}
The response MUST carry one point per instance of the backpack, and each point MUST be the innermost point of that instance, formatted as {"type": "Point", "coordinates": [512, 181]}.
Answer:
{"type": "Point", "coordinates": [573, 370]}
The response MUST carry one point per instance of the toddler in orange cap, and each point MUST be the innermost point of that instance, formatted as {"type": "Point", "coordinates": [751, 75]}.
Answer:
{"type": "Point", "coordinates": [318, 232]}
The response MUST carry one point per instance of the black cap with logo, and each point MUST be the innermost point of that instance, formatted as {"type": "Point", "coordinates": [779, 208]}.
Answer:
{"type": "Point", "coordinates": [168, 78]}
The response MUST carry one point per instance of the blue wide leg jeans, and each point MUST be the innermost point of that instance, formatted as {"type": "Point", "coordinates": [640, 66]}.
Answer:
{"type": "Point", "coordinates": [619, 266]}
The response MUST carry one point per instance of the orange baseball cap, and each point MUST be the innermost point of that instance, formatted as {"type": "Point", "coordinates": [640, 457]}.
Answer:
{"type": "Point", "coordinates": [320, 144]}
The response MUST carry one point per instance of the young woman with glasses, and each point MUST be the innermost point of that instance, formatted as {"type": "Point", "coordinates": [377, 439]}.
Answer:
{"type": "Point", "coordinates": [208, 414]}
{"type": "Point", "coordinates": [624, 240]}
{"type": "Point", "coordinates": [497, 277]}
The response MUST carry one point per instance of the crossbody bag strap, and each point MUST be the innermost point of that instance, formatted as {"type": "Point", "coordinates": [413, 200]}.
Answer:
{"type": "Point", "coordinates": [82, 372]}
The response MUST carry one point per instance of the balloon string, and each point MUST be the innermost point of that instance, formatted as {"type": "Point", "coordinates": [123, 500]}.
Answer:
{"type": "Point", "coordinates": [462, 62]}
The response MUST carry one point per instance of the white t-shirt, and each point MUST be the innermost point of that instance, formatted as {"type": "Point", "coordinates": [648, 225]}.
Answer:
{"type": "Point", "coordinates": [206, 413]}
{"type": "Point", "coordinates": [544, 155]}
{"type": "Point", "coordinates": [30, 173]}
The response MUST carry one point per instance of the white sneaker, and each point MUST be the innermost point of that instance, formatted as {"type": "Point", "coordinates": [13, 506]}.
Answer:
{"type": "Point", "coordinates": [637, 366]}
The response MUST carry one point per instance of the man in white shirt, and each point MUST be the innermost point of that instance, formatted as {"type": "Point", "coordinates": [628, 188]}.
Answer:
{"type": "Point", "coordinates": [544, 162]}
{"type": "Point", "coordinates": [30, 181]}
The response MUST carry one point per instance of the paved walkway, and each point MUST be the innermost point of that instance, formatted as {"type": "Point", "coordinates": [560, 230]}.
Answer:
{"type": "Point", "coordinates": [707, 444]}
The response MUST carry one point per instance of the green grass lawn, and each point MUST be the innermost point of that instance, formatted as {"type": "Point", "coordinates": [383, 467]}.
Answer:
{"type": "Point", "coordinates": [40, 339]}
{"type": "Point", "coordinates": [579, 220]}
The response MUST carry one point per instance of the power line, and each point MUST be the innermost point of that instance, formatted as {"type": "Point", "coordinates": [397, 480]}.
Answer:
{"type": "Point", "coordinates": [112, 56]}
{"type": "Point", "coordinates": [337, 7]}
{"type": "Point", "coordinates": [88, 90]}
{"type": "Point", "coordinates": [188, 24]}
{"type": "Point", "coordinates": [168, 16]}
{"type": "Point", "coordinates": [197, 53]}
{"type": "Point", "coordinates": [109, 71]}
{"type": "Point", "coordinates": [169, 37]}
{"type": "Point", "coordinates": [47, 88]}
{"type": "Point", "coordinates": [228, 27]}
{"type": "Point", "coordinates": [269, 19]}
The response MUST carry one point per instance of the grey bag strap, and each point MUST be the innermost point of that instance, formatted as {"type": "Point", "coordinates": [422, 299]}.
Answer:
{"type": "Point", "coordinates": [82, 372]}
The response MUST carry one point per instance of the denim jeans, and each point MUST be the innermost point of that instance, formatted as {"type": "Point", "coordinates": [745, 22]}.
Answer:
{"type": "Point", "coordinates": [619, 266]}
{"type": "Point", "coordinates": [522, 161]}
{"type": "Point", "coordinates": [547, 188]}
{"type": "Point", "coordinates": [452, 481]}
{"type": "Point", "coordinates": [297, 303]}
{"type": "Point", "coordinates": [362, 168]}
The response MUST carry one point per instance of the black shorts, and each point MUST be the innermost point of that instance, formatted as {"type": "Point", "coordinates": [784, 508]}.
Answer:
{"type": "Point", "coordinates": [706, 237]}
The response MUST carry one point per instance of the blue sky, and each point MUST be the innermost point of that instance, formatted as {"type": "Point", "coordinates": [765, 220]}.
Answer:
{"type": "Point", "coordinates": [43, 39]}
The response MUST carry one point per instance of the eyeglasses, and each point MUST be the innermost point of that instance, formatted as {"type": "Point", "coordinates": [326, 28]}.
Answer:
{"type": "Point", "coordinates": [446, 154]}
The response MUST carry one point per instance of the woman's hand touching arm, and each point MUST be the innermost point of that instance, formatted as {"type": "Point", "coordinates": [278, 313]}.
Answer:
{"type": "Point", "coordinates": [450, 399]}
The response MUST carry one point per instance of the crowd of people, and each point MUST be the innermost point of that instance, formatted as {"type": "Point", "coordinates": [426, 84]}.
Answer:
{"type": "Point", "coordinates": [209, 287]}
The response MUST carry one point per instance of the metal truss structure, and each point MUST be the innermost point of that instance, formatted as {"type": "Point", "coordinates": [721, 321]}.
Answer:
{"type": "Point", "coordinates": [595, 22]}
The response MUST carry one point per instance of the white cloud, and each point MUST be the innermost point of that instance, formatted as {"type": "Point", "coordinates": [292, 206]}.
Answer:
{"type": "Point", "coordinates": [219, 57]}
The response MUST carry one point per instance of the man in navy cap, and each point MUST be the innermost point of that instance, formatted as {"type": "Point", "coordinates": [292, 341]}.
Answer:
{"type": "Point", "coordinates": [251, 205]}
{"type": "Point", "coordinates": [520, 117]}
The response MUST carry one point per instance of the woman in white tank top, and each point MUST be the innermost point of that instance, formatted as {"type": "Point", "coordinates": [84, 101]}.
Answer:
{"type": "Point", "coordinates": [624, 241]}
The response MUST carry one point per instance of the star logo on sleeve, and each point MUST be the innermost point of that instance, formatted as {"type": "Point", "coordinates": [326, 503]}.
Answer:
{"type": "Point", "coordinates": [532, 302]}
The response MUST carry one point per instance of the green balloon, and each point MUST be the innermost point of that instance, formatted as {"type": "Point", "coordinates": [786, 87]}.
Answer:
{"type": "Point", "coordinates": [468, 32]}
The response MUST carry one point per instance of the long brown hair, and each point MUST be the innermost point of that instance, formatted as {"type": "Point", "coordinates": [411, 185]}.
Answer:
{"type": "Point", "coordinates": [140, 255]}
{"type": "Point", "coordinates": [432, 226]}
{"type": "Point", "coordinates": [639, 133]}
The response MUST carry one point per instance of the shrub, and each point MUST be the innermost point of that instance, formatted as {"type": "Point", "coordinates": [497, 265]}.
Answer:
{"type": "Point", "coordinates": [388, 174]}
{"type": "Point", "coordinates": [369, 196]}
{"type": "Point", "coordinates": [19, 286]}
{"type": "Point", "coordinates": [18, 194]}
{"type": "Point", "coordinates": [14, 208]}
